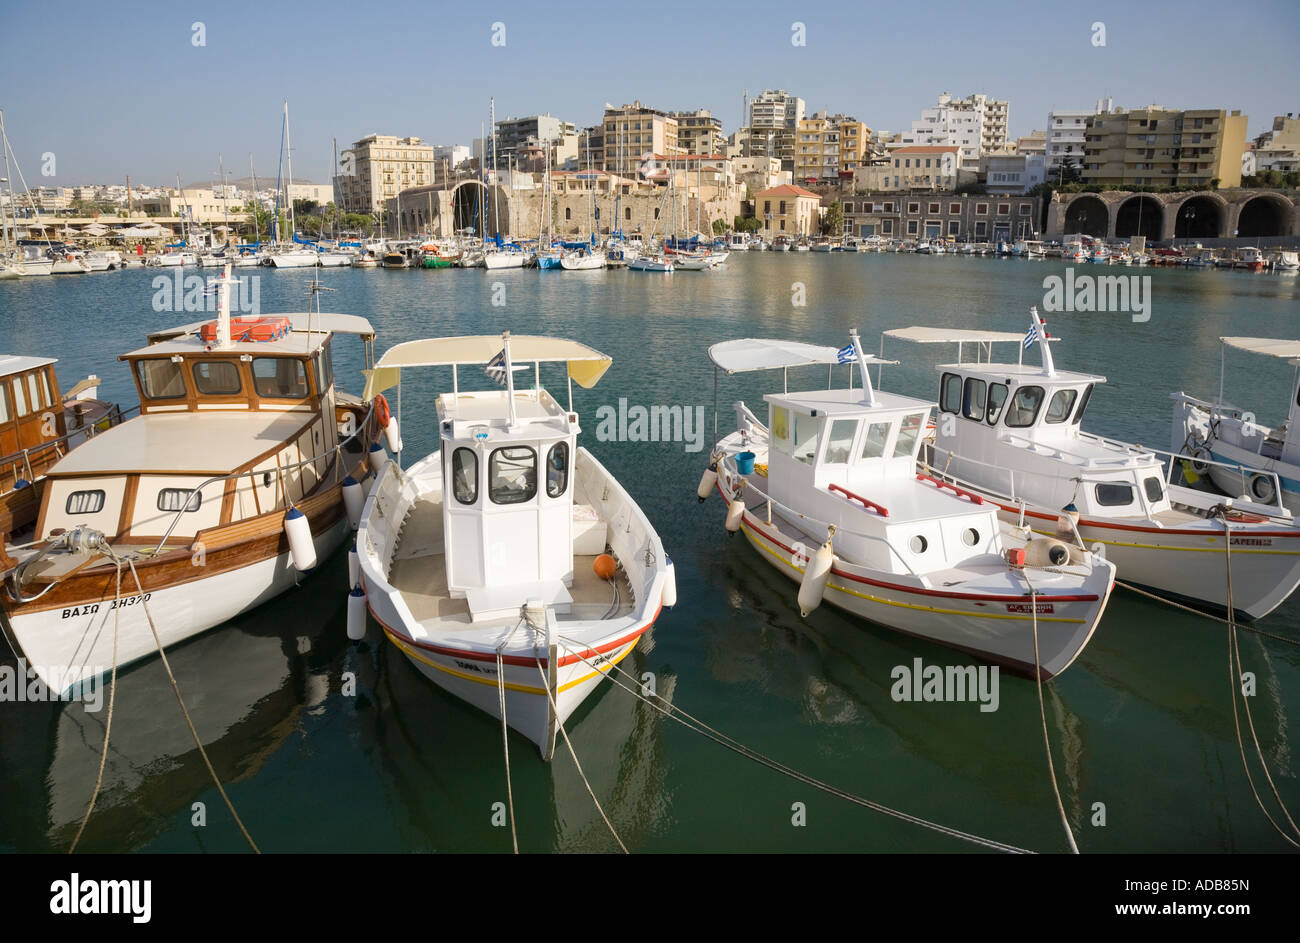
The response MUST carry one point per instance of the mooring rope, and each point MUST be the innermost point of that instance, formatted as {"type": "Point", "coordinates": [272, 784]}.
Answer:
{"type": "Point", "coordinates": [574, 753]}
{"type": "Point", "coordinates": [1234, 678]}
{"type": "Point", "coordinates": [180, 700]}
{"type": "Point", "coordinates": [1208, 615]}
{"type": "Point", "coordinates": [1042, 714]}
{"type": "Point", "coordinates": [698, 726]}
{"type": "Point", "coordinates": [505, 744]}
{"type": "Point", "coordinates": [108, 722]}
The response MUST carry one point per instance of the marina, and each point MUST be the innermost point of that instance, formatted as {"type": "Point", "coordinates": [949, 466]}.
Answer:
{"type": "Point", "coordinates": [818, 692]}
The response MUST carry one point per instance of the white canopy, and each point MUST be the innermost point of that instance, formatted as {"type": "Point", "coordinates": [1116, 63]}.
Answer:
{"type": "Point", "coordinates": [748, 354]}
{"type": "Point", "coordinates": [948, 335]}
{"type": "Point", "coordinates": [319, 323]}
{"type": "Point", "coordinates": [1268, 346]}
{"type": "Point", "coordinates": [586, 364]}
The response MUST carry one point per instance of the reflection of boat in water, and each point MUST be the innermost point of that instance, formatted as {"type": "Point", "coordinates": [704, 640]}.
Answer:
{"type": "Point", "coordinates": [247, 688]}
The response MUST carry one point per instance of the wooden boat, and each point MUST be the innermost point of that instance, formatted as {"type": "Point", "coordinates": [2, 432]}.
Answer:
{"type": "Point", "coordinates": [1012, 433]}
{"type": "Point", "coordinates": [509, 565]}
{"type": "Point", "coordinates": [827, 493]}
{"type": "Point", "coordinates": [38, 426]}
{"type": "Point", "coordinates": [229, 483]}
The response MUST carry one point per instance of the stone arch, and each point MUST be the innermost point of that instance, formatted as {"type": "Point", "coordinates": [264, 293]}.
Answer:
{"type": "Point", "coordinates": [1264, 215]}
{"type": "Point", "coordinates": [1201, 216]}
{"type": "Point", "coordinates": [1087, 215]}
{"type": "Point", "coordinates": [469, 202]}
{"type": "Point", "coordinates": [1140, 215]}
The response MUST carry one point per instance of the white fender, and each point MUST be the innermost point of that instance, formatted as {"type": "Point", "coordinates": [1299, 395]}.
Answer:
{"type": "Point", "coordinates": [735, 511]}
{"type": "Point", "coordinates": [707, 482]}
{"type": "Point", "coordinates": [301, 548]}
{"type": "Point", "coordinates": [1044, 551]}
{"type": "Point", "coordinates": [377, 458]}
{"type": "Point", "coordinates": [353, 500]}
{"type": "Point", "coordinates": [354, 565]}
{"type": "Point", "coordinates": [670, 584]}
{"type": "Point", "coordinates": [815, 574]}
{"type": "Point", "coordinates": [356, 614]}
{"type": "Point", "coordinates": [393, 436]}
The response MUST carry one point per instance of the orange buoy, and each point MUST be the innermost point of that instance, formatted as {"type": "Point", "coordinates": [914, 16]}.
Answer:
{"type": "Point", "coordinates": [605, 565]}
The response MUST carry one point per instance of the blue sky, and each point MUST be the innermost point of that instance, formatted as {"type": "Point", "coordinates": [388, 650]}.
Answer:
{"type": "Point", "coordinates": [118, 88]}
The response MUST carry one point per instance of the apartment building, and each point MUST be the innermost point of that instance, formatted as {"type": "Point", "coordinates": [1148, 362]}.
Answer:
{"type": "Point", "coordinates": [829, 146]}
{"type": "Point", "coordinates": [917, 167]}
{"type": "Point", "coordinates": [632, 131]}
{"type": "Point", "coordinates": [1160, 147]}
{"type": "Point", "coordinates": [699, 132]}
{"type": "Point", "coordinates": [381, 166]}
{"type": "Point", "coordinates": [976, 218]}
{"type": "Point", "coordinates": [977, 124]}
{"type": "Point", "coordinates": [1065, 133]}
{"type": "Point", "coordinates": [789, 211]}
{"type": "Point", "coordinates": [513, 133]}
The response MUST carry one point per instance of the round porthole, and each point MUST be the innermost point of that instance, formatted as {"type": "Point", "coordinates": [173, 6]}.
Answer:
{"type": "Point", "coordinates": [970, 536]}
{"type": "Point", "coordinates": [919, 544]}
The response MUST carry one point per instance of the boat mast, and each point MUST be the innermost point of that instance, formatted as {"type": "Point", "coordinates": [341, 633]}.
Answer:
{"type": "Point", "coordinates": [288, 154]}
{"type": "Point", "coordinates": [253, 178]}
{"type": "Point", "coordinates": [4, 217]}
{"type": "Point", "coordinates": [496, 200]}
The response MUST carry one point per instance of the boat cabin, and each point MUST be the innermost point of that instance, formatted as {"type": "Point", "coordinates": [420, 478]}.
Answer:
{"type": "Point", "coordinates": [263, 407]}
{"type": "Point", "coordinates": [31, 409]}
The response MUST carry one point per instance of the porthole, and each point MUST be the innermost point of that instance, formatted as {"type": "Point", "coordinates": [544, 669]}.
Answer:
{"type": "Point", "coordinates": [970, 536]}
{"type": "Point", "coordinates": [918, 544]}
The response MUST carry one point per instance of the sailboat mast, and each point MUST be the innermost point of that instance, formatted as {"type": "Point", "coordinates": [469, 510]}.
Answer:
{"type": "Point", "coordinates": [496, 200]}
{"type": "Point", "coordinates": [253, 178]}
{"type": "Point", "coordinates": [4, 218]}
{"type": "Point", "coordinates": [288, 156]}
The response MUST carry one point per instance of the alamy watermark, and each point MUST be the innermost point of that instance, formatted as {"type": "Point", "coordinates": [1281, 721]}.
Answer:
{"type": "Point", "coordinates": [179, 292]}
{"type": "Point", "coordinates": [951, 683]}
{"type": "Point", "coordinates": [651, 424]}
{"type": "Point", "coordinates": [1130, 294]}
{"type": "Point", "coordinates": [19, 683]}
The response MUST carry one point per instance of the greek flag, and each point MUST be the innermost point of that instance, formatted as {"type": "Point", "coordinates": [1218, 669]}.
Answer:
{"type": "Point", "coordinates": [846, 354]}
{"type": "Point", "coordinates": [1030, 336]}
{"type": "Point", "coordinates": [496, 368]}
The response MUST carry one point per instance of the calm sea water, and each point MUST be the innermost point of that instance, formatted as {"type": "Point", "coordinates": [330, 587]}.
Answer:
{"type": "Point", "coordinates": [1141, 724]}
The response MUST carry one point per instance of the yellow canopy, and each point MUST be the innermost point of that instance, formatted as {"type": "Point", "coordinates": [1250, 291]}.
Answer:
{"type": "Point", "coordinates": [586, 365]}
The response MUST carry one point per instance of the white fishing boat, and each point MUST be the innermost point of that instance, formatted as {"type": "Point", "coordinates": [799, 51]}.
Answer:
{"type": "Point", "coordinates": [650, 263]}
{"type": "Point", "coordinates": [230, 483]}
{"type": "Point", "coordinates": [828, 493]}
{"type": "Point", "coordinates": [738, 242]}
{"type": "Point", "coordinates": [1244, 457]}
{"type": "Point", "coordinates": [509, 566]}
{"type": "Point", "coordinates": [694, 262]}
{"type": "Point", "coordinates": [1012, 433]}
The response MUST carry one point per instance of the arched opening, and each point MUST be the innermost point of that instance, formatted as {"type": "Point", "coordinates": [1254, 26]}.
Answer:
{"type": "Point", "coordinates": [1088, 216]}
{"type": "Point", "coordinates": [1140, 216]}
{"type": "Point", "coordinates": [1263, 216]}
{"type": "Point", "coordinates": [469, 201]}
{"type": "Point", "coordinates": [1198, 217]}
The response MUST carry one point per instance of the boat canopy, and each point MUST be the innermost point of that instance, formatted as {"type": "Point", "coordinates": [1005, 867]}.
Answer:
{"type": "Point", "coordinates": [316, 323]}
{"type": "Point", "coordinates": [1268, 346]}
{"type": "Point", "coordinates": [749, 354]}
{"type": "Point", "coordinates": [586, 365]}
{"type": "Point", "coordinates": [11, 364]}
{"type": "Point", "coordinates": [960, 336]}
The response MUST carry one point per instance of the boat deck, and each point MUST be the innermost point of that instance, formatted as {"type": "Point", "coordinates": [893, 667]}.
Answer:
{"type": "Point", "coordinates": [419, 573]}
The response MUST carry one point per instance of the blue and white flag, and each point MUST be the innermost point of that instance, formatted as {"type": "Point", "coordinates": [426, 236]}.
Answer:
{"type": "Point", "coordinates": [1031, 336]}
{"type": "Point", "coordinates": [496, 368]}
{"type": "Point", "coordinates": [846, 354]}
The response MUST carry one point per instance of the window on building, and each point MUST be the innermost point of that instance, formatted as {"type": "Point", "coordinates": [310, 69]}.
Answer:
{"type": "Point", "coordinates": [1004, 209]}
{"type": "Point", "coordinates": [981, 209]}
{"type": "Point", "coordinates": [913, 207]}
{"type": "Point", "coordinates": [954, 209]}
{"type": "Point", "coordinates": [934, 209]}
{"type": "Point", "coordinates": [913, 227]}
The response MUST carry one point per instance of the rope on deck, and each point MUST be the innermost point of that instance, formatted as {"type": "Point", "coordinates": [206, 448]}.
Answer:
{"type": "Point", "coordinates": [698, 726]}
{"type": "Point", "coordinates": [108, 723]}
{"type": "Point", "coordinates": [505, 744]}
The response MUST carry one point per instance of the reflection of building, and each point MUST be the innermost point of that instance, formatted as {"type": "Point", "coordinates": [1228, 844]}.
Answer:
{"type": "Point", "coordinates": [788, 210]}
{"type": "Point", "coordinates": [378, 167]}
{"type": "Point", "coordinates": [1159, 147]}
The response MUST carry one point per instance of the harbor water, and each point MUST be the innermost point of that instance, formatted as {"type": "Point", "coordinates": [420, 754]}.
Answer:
{"type": "Point", "coordinates": [330, 746]}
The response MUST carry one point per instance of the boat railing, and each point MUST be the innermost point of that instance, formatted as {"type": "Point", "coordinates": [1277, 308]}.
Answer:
{"type": "Point", "coordinates": [772, 502]}
{"type": "Point", "coordinates": [279, 473]}
{"type": "Point", "coordinates": [1215, 409]}
{"type": "Point", "coordinates": [1086, 460]}
{"type": "Point", "coordinates": [22, 460]}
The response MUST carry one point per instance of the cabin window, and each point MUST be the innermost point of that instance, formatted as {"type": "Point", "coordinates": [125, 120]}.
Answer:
{"type": "Point", "coordinates": [950, 393]}
{"type": "Point", "coordinates": [4, 406]}
{"type": "Point", "coordinates": [512, 475]}
{"type": "Point", "coordinates": [1114, 495]}
{"type": "Point", "coordinates": [1154, 489]}
{"type": "Point", "coordinates": [997, 399]}
{"type": "Point", "coordinates": [908, 432]}
{"type": "Point", "coordinates": [1058, 410]}
{"type": "Point", "coordinates": [85, 502]}
{"type": "Point", "coordinates": [805, 438]}
{"type": "Point", "coordinates": [324, 369]}
{"type": "Point", "coordinates": [279, 377]}
{"type": "Point", "coordinates": [217, 377]}
{"type": "Point", "coordinates": [464, 475]}
{"type": "Point", "coordinates": [49, 392]}
{"type": "Point", "coordinates": [780, 424]}
{"type": "Point", "coordinates": [1083, 403]}
{"type": "Point", "coordinates": [873, 443]}
{"type": "Point", "coordinates": [840, 447]}
{"type": "Point", "coordinates": [557, 470]}
{"type": "Point", "coordinates": [20, 399]}
{"type": "Point", "coordinates": [1024, 406]}
{"type": "Point", "coordinates": [34, 392]}
{"type": "Point", "coordinates": [174, 499]}
{"type": "Point", "coordinates": [972, 406]}
{"type": "Point", "coordinates": [160, 379]}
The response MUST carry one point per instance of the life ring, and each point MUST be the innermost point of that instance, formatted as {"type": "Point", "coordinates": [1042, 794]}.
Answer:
{"type": "Point", "coordinates": [382, 412]}
{"type": "Point", "coordinates": [1199, 463]}
{"type": "Point", "coordinates": [1261, 489]}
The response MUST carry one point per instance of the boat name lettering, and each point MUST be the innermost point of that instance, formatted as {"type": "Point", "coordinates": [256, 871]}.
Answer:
{"type": "Point", "coordinates": [468, 666]}
{"type": "Point", "coordinates": [1043, 607]}
{"type": "Point", "coordinates": [1252, 541]}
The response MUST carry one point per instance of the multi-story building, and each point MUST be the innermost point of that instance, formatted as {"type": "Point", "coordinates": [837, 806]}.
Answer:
{"type": "Point", "coordinates": [632, 131]}
{"type": "Point", "coordinates": [698, 132]}
{"type": "Point", "coordinates": [976, 124]}
{"type": "Point", "coordinates": [829, 147]}
{"type": "Point", "coordinates": [917, 167]}
{"type": "Point", "coordinates": [757, 174]}
{"type": "Point", "coordinates": [1159, 147]}
{"type": "Point", "coordinates": [967, 217]}
{"type": "Point", "coordinates": [776, 109]}
{"type": "Point", "coordinates": [380, 167]}
{"type": "Point", "coordinates": [1284, 135]}
{"type": "Point", "coordinates": [1006, 174]}
{"type": "Point", "coordinates": [451, 156]}
{"type": "Point", "coordinates": [1035, 142]}
{"type": "Point", "coordinates": [535, 129]}
{"type": "Point", "coordinates": [788, 210]}
{"type": "Point", "coordinates": [1065, 132]}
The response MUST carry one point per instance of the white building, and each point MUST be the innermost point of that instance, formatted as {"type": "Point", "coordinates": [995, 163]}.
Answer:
{"type": "Point", "coordinates": [776, 109]}
{"type": "Point", "coordinates": [1065, 132]}
{"type": "Point", "coordinates": [453, 154]}
{"type": "Point", "coordinates": [1009, 174]}
{"type": "Point", "coordinates": [976, 124]}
